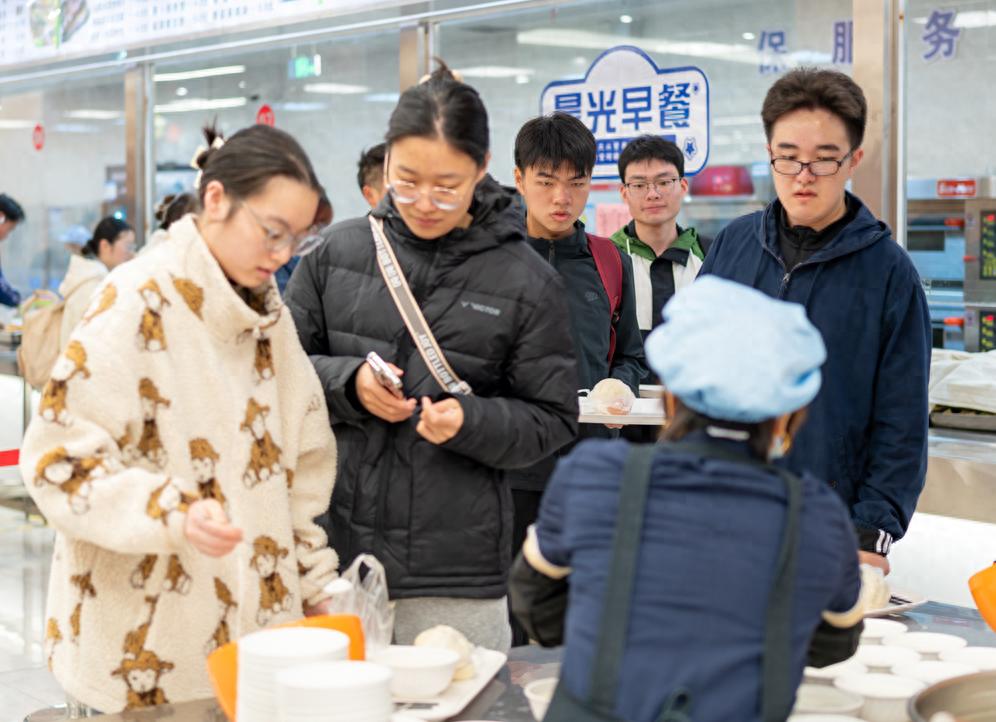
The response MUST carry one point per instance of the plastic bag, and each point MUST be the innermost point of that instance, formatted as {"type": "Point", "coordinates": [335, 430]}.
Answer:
{"type": "Point", "coordinates": [362, 590]}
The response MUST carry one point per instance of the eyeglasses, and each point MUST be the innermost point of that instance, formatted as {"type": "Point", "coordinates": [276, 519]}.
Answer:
{"type": "Point", "coordinates": [824, 167]}
{"type": "Point", "coordinates": [661, 185]}
{"type": "Point", "coordinates": [406, 193]}
{"type": "Point", "coordinates": [276, 241]}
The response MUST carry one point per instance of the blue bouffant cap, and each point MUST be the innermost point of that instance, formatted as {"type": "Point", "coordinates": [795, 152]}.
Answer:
{"type": "Point", "coordinates": [732, 353]}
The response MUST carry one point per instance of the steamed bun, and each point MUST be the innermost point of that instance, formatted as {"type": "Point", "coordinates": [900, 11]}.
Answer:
{"type": "Point", "coordinates": [446, 637]}
{"type": "Point", "coordinates": [612, 396]}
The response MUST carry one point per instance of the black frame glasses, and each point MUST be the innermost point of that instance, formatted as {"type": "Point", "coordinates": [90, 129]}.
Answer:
{"type": "Point", "coordinates": [820, 168]}
{"type": "Point", "coordinates": [661, 185]}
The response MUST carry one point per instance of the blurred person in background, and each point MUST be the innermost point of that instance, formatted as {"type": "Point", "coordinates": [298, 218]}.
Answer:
{"type": "Point", "coordinates": [370, 174]}
{"type": "Point", "coordinates": [112, 243]}
{"type": "Point", "coordinates": [170, 209]}
{"type": "Point", "coordinates": [11, 214]}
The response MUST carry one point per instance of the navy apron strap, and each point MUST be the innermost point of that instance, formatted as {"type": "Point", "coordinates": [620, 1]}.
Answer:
{"type": "Point", "coordinates": [622, 577]}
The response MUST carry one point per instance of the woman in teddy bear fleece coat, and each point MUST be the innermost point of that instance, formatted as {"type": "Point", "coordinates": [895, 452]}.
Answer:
{"type": "Point", "coordinates": [182, 447]}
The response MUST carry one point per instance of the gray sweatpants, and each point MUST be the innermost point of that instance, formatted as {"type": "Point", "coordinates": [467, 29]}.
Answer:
{"type": "Point", "coordinates": [483, 622]}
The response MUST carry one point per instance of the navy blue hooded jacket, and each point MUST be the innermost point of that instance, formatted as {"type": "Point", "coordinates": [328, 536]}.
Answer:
{"type": "Point", "coordinates": [9, 295]}
{"type": "Point", "coordinates": [866, 434]}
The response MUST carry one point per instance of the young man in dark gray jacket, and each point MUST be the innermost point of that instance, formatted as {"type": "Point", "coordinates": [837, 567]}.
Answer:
{"type": "Point", "coordinates": [554, 160]}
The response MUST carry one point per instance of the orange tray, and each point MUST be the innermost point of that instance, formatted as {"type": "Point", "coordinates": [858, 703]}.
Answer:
{"type": "Point", "coordinates": [983, 586]}
{"type": "Point", "coordinates": [223, 663]}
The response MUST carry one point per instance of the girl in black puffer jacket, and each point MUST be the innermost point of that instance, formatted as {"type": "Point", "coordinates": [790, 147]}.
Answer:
{"type": "Point", "coordinates": [421, 479]}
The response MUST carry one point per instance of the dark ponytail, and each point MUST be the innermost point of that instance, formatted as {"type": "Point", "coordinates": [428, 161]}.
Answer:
{"type": "Point", "coordinates": [107, 230]}
{"type": "Point", "coordinates": [443, 106]}
{"type": "Point", "coordinates": [244, 163]}
{"type": "Point", "coordinates": [174, 207]}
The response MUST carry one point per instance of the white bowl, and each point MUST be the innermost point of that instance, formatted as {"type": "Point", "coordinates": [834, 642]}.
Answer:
{"type": "Point", "coordinates": [539, 694]}
{"type": "Point", "coordinates": [826, 675]}
{"type": "Point", "coordinates": [886, 696]}
{"type": "Point", "coordinates": [820, 699]}
{"type": "Point", "coordinates": [982, 658]}
{"type": "Point", "coordinates": [931, 672]}
{"type": "Point", "coordinates": [882, 659]}
{"type": "Point", "coordinates": [928, 644]}
{"type": "Point", "coordinates": [419, 672]}
{"type": "Point", "coordinates": [877, 629]}
{"type": "Point", "coordinates": [823, 718]}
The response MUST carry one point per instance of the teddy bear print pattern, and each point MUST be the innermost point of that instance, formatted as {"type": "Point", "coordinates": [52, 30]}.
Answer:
{"type": "Point", "coordinates": [203, 459]}
{"type": "Point", "coordinates": [151, 333]}
{"type": "Point", "coordinates": [264, 456]}
{"type": "Point", "coordinates": [71, 363]}
{"type": "Point", "coordinates": [141, 669]}
{"type": "Point", "coordinates": [226, 604]}
{"type": "Point", "coordinates": [103, 304]}
{"type": "Point", "coordinates": [274, 596]}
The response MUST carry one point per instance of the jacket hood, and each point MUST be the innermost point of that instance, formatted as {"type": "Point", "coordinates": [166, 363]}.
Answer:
{"type": "Point", "coordinates": [81, 271]}
{"type": "Point", "coordinates": [627, 240]}
{"type": "Point", "coordinates": [865, 230]}
{"type": "Point", "coordinates": [497, 219]}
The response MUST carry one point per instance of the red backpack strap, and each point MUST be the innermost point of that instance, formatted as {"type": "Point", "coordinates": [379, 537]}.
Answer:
{"type": "Point", "coordinates": [610, 268]}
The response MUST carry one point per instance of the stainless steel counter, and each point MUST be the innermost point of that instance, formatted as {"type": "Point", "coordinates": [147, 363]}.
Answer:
{"type": "Point", "coordinates": [8, 361]}
{"type": "Point", "coordinates": [961, 475]}
{"type": "Point", "coordinates": [504, 701]}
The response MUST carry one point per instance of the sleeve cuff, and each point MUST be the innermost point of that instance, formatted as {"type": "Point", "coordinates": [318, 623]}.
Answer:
{"type": "Point", "coordinates": [531, 551]}
{"type": "Point", "coordinates": [874, 594]}
{"type": "Point", "coordinates": [877, 541]}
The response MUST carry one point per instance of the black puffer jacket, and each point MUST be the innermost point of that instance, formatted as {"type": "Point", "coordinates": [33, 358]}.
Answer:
{"type": "Point", "coordinates": [439, 517]}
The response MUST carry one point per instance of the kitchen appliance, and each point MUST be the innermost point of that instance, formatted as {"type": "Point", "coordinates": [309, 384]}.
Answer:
{"type": "Point", "coordinates": [980, 274]}
{"type": "Point", "coordinates": [938, 216]}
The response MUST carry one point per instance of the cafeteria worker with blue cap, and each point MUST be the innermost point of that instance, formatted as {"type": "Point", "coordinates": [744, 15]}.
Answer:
{"type": "Point", "coordinates": [694, 572]}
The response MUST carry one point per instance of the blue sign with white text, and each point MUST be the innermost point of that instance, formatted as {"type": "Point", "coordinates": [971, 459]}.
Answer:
{"type": "Point", "coordinates": [624, 94]}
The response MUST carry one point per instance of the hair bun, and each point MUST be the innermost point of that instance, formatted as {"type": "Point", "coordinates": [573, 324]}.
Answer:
{"type": "Point", "coordinates": [442, 74]}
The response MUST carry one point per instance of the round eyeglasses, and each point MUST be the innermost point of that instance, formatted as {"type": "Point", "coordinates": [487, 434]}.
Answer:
{"type": "Point", "coordinates": [407, 193]}
{"type": "Point", "coordinates": [300, 244]}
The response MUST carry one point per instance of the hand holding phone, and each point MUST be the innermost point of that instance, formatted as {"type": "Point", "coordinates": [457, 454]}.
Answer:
{"type": "Point", "coordinates": [382, 394]}
{"type": "Point", "coordinates": [385, 375]}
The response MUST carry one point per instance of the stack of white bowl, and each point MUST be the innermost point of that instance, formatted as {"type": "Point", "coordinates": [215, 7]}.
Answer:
{"type": "Point", "coordinates": [264, 654]}
{"type": "Point", "coordinates": [335, 692]}
{"type": "Point", "coordinates": [891, 666]}
{"type": "Point", "coordinates": [901, 664]}
{"type": "Point", "coordinates": [877, 629]}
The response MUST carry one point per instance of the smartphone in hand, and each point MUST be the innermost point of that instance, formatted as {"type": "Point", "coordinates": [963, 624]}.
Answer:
{"type": "Point", "coordinates": [387, 378]}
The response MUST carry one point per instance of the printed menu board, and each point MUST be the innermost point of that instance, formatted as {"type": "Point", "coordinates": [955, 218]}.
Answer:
{"type": "Point", "coordinates": [43, 30]}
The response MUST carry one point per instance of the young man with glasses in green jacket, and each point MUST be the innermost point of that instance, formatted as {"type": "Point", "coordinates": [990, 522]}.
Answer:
{"type": "Point", "coordinates": [666, 257]}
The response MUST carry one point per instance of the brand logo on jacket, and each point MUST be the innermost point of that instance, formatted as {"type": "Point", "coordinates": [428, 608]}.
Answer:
{"type": "Point", "coordinates": [481, 308]}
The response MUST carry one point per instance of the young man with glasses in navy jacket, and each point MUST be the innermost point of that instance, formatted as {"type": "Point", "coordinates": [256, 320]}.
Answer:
{"type": "Point", "coordinates": [819, 246]}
